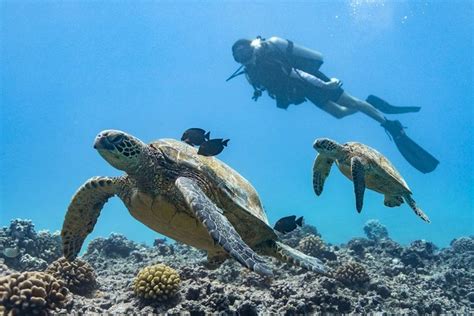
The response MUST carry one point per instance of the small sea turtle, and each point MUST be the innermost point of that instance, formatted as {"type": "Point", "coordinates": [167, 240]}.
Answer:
{"type": "Point", "coordinates": [194, 199]}
{"type": "Point", "coordinates": [366, 167]}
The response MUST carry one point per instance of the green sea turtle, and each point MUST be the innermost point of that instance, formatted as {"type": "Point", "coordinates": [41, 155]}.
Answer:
{"type": "Point", "coordinates": [194, 199]}
{"type": "Point", "coordinates": [366, 167]}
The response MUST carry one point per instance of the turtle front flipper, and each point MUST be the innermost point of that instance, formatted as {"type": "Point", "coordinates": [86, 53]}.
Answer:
{"type": "Point", "coordinates": [321, 167]}
{"type": "Point", "coordinates": [83, 212]}
{"type": "Point", "coordinates": [358, 177]}
{"type": "Point", "coordinates": [220, 229]}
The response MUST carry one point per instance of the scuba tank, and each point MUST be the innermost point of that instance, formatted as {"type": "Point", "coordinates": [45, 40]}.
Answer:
{"type": "Point", "coordinates": [298, 56]}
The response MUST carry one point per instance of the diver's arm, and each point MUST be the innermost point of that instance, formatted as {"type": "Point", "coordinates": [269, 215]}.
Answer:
{"type": "Point", "coordinates": [315, 81]}
{"type": "Point", "coordinates": [299, 74]}
{"type": "Point", "coordinates": [257, 88]}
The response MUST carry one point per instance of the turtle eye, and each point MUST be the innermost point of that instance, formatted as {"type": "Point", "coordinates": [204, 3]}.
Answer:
{"type": "Point", "coordinates": [115, 139]}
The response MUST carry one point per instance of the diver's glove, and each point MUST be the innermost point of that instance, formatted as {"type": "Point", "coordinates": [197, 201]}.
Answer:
{"type": "Point", "coordinates": [256, 94]}
{"type": "Point", "coordinates": [333, 84]}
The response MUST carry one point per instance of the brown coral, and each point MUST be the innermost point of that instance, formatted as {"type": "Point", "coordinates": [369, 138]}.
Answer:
{"type": "Point", "coordinates": [78, 275]}
{"type": "Point", "coordinates": [352, 273]}
{"type": "Point", "coordinates": [31, 293]}
{"type": "Point", "coordinates": [157, 282]}
{"type": "Point", "coordinates": [312, 245]}
{"type": "Point", "coordinates": [4, 269]}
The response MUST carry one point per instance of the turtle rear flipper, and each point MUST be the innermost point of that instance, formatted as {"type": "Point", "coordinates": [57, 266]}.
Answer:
{"type": "Point", "coordinates": [392, 200]}
{"type": "Point", "coordinates": [415, 208]}
{"type": "Point", "coordinates": [288, 254]}
{"type": "Point", "coordinates": [83, 212]}
{"type": "Point", "coordinates": [219, 227]}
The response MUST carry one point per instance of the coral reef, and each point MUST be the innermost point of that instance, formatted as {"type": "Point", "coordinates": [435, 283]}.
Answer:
{"type": "Point", "coordinates": [463, 244]}
{"type": "Point", "coordinates": [24, 249]}
{"type": "Point", "coordinates": [27, 262]}
{"type": "Point", "coordinates": [418, 253]}
{"type": "Point", "coordinates": [78, 275]}
{"type": "Point", "coordinates": [436, 281]}
{"type": "Point", "coordinates": [360, 245]}
{"type": "Point", "coordinates": [156, 282]}
{"type": "Point", "coordinates": [31, 293]}
{"type": "Point", "coordinates": [352, 273]}
{"type": "Point", "coordinates": [116, 245]}
{"type": "Point", "coordinates": [162, 247]}
{"type": "Point", "coordinates": [49, 245]}
{"type": "Point", "coordinates": [293, 238]}
{"type": "Point", "coordinates": [375, 231]}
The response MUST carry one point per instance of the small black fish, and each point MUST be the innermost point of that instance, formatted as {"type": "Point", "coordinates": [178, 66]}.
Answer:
{"type": "Point", "coordinates": [195, 136]}
{"type": "Point", "coordinates": [212, 147]}
{"type": "Point", "coordinates": [287, 224]}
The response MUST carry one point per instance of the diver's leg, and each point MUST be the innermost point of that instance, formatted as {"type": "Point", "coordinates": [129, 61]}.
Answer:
{"type": "Point", "coordinates": [336, 110]}
{"type": "Point", "coordinates": [351, 102]}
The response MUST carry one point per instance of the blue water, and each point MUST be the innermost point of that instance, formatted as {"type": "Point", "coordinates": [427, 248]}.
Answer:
{"type": "Point", "coordinates": [154, 69]}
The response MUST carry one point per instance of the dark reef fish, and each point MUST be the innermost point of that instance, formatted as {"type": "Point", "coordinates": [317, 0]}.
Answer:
{"type": "Point", "coordinates": [287, 224]}
{"type": "Point", "coordinates": [195, 136]}
{"type": "Point", "coordinates": [212, 147]}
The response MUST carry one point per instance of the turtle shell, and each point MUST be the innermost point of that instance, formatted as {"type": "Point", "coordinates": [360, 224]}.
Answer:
{"type": "Point", "coordinates": [380, 174]}
{"type": "Point", "coordinates": [229, 190]}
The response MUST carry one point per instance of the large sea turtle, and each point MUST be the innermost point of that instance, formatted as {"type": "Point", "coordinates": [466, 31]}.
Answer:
{"type": "Point", "coordinates": [194, 199]}
{"type": "Point", "coordinates": [366, 167]}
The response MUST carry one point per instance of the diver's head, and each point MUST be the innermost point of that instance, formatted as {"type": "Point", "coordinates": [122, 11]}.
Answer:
{"type": "Point", "coordinates": [242, 50]}
{"type": "Point", "coordinates": [120, 149]}
{"type": "Point", "coordinates": [327, 147]}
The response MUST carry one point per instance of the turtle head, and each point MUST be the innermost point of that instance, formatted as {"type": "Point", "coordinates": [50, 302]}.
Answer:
{"type": "Point", "coordinates": [120, 149]}
{"type": "Point", "coordinates": [327, 147]}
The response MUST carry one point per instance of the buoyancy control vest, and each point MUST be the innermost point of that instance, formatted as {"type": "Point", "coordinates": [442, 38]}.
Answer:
{"type": "Point", "coordinates": [275, 59]}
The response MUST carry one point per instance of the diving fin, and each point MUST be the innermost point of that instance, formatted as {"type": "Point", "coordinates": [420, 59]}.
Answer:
{"type": "Point", "coordinates": [413, 153]}
{"type": "Point", "coordinates": [387, 108]}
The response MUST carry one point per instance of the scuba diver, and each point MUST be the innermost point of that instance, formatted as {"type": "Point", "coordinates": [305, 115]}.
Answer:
{"type": "Point", "coordinates": [290, 74]}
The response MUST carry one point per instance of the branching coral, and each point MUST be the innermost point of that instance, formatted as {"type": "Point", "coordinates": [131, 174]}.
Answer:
{"type": "Point", "coordinates": [157, 282]}
{"type": "Point", "coordinates": [312, 245]}
{"type": "Point", "coordinates": [352, 273]}
{"type": "Point", "coordinates": [31, 293]}
{"type": "Point", "coordinates": [78, 275]}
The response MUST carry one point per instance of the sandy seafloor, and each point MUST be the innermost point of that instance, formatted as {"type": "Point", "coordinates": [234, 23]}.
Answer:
{"type": "Point", "coordinates": [418, 278]}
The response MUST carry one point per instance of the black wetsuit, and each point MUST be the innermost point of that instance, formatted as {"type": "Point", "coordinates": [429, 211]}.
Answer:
{"type": "Point", "coordinates": [271, 72]}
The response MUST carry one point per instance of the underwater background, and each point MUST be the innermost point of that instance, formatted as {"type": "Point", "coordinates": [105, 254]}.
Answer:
{"type": "Point", "coordinates": [153, 69]}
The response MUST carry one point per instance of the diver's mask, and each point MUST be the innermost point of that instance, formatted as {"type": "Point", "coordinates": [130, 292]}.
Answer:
{"type": "Point", "coordinates": [242, 50]}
